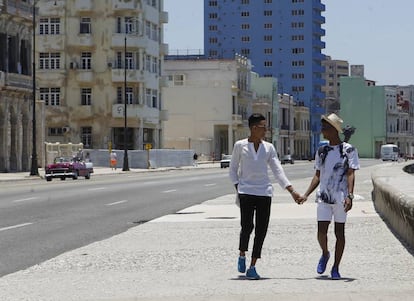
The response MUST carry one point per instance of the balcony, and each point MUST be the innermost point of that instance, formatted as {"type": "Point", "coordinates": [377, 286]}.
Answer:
{"type": "Point", "coordinates": [132, 75]}
{"type": "Point", "coordinates": [16, 81]}
{"type": "Point", "coordinates": [164, 17]}
{"type": "Point", "coordinates": [236, 119]}
{"type": "Point", "coordinates": [164, 49]}
{"type": "Point", "coordinates": [83, 40]}
{"type": "Point", "coordinates": [18, 8]}
{"type": "Point", "coordinates": [85, 76]}
{"type": "Point", "coordinates": [84, 5]}
{"type": "Point", "coordinates": [118, 5]}
{"type": "Point", "coordinates": [318, 19]}
{"type": "Point", "coordinates": [147, 114]}
{"type": "Point", "coordinates": [318, 44]}
{"type": "Point", "coordinates": [118, 41]}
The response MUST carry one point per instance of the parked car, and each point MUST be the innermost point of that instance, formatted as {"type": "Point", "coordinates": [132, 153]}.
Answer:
{"type": "Point", "coordinates": [287, 159]}
{"type": "Point", "coordinates": [66, 167]}
{"type": "Point", "coordinates": [225, 161]}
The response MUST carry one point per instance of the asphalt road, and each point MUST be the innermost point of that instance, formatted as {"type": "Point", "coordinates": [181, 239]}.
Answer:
{"type": "Point", "coordinates": [40, 220]}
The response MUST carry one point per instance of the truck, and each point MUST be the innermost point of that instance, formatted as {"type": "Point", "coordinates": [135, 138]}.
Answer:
{"type": "Point", "coordinates": [389, 152]}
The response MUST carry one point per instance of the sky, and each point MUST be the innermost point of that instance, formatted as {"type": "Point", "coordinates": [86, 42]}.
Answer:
{"type": "Point", "coordinates": [378, 34]}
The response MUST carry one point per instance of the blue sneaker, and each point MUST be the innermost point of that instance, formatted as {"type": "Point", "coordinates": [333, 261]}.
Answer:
{"type": "Point", "coordinates": [322, 263]}
{"type": "Point", "coordinates": [335, 273]}
{"type": "Point", "coordinates": [241, 265]}
{"type": "Point", "coordinates": [252, 274]}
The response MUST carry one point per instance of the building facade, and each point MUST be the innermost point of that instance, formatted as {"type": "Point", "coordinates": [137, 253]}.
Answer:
{"type": "Point", "coordinates": [208, 102]}
{"type": "Point", "coordinates": [334, 70]}
{"type": "Point", "coordinates": [282, 39]}
{"type": "Point", "coordinates": [96, 58]}
{"type": "Point", "coordinates": [16, 86]}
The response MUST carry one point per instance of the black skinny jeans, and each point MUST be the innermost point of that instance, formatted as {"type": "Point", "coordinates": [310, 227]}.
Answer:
{"type": "Point", "coordinates": [248, 205]}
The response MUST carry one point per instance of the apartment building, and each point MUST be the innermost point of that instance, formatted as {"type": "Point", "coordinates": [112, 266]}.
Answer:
{"type": "Point", "coordinates": [16, 97]}
{"type": "Point", "coordinates": [282, 39]}
{"type": "Point", "coordinates": [208, 102]}
{"type": "Point", "coordinates": [96, 58]}
{"type": "Point", "coordinates": [334, 70]}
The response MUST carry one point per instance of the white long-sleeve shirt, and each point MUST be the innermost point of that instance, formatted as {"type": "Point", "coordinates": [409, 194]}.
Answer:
{"type": "Point", "coordinates": [249, 169]}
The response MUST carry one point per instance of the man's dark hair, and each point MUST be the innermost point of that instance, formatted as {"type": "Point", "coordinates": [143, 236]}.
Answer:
{"type": "Point", "coordinates": [255, 119]}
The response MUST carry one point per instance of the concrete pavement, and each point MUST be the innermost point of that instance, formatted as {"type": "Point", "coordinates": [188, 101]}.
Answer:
{"type": "Point", "coordinates": [192, 255]}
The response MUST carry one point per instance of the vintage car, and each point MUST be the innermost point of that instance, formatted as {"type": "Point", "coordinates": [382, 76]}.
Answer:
{"type": "Point", "coordinates": [66, 167]}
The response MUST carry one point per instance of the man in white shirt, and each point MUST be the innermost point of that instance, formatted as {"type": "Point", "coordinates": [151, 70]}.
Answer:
{"type": "Point", "coordinates": [249, 164]}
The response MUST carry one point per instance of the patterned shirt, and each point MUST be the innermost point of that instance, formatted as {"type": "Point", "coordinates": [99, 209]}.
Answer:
{"type": "Point", "coordinates": [333, 163]}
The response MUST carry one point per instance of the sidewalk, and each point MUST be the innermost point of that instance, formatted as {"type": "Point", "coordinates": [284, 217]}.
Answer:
{"type": "Point", "coordinates": [192, 255]}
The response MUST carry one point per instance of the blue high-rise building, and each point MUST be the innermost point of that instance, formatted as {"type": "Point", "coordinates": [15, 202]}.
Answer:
{"type": "Point", "coordinates": [281, 37]}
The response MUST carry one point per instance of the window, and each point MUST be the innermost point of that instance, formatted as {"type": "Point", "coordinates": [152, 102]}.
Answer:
{"type": "Point", "coordinates": [245, 39]}
{"type": "Point", "coordinates": [245, 51]}
{"type": "Point", "coordinates": [177, 79]}
{"type": "Point", "coordinates": [213, 40]}
{"type": "Point", "coordinates": [268, 50]}
{"type": "Point", "coordinates": [51, 96]}
{"type": "Point", "coordinates": [49, 26]}
{"type": "Point", "coordinates": [268, 38]}
{"type": "Point", "coordinates": [245, 1]}
{"type": "Point", "coordinates": [55, 131]}
{"type": "Point", "coordinates": [148, 62]}
{"type": "Point", "coordinates": [86, 58]}
{"type": "Point", "coordinates": [213, 16]}
{"type": "Point", "coordinates": [268, 63]}
{"type": "Point", "coordinates": [129, 60]}
{"type": "Point", "coordinates": [267, 13]}
{"type": "Point", "coordinates": [154, 65]}
{"type": "Point", "coordinates": [148, 29]}
{"type": "Point", "coordinates": [86, 136]}
{"type": "Point", "coordinates": [245, 26]}
{"type": "Point", "coordinates": [245, 14]}
{"type": "Point", "coordinates": [85, 25]}
{"type": "Point", "coordinates": [268, 26]}
{"type": "Point", "coordinates": [86, 96]}
{"type": "Point", "coordinates": [129, 95]}
{"type": "Point", "coordinates": [212, 27]}
{"type": "Point", "coordinates": [212, 3]}
{"type": "Point", "coordinates": [49, 60]}
{"type": "Point", "coordinates": [148, 95]}
{"type": "Point", "coordinates": [154, 98]}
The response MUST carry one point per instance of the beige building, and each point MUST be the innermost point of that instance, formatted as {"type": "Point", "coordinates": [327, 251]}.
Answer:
{"type": "Point", "coordinates": [334, 70]}
{"type": "Point", "coordinates": [209, 102]}
{"type": "Point", "coordinates": [16, 98]}
{"type": "Point", "coordinates": [92, 58]}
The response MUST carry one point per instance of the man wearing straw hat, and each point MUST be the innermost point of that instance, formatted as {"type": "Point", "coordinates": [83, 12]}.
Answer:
{"type": "Point", "coordinates": [335, 166]}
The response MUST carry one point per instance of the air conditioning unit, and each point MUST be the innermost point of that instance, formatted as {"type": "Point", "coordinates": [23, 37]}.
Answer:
{"type": "Point", "coordinates": [66, 129]}
{"type": "Point", "coordinates": [109, 65]}
{"type": "Point", "coordinates": [73, 65]}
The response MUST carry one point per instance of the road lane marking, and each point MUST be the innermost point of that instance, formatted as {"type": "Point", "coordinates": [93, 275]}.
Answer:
{"type": "Point", "coordinates": [168, 191]}
{"type": "Point", "coordinates": [15, 226]}
{"type": "Point", "coordinates": [99, 188]}
{"type": "Point", "coordinates": [116, 203]}
{"type": "Point", "coordinates": [212, 184]}
{"type": "Point", "coordinates": [23, 200]}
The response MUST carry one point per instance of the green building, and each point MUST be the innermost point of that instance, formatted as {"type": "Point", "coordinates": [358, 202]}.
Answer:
{"type": "Point", "coordinates": [364, 106]}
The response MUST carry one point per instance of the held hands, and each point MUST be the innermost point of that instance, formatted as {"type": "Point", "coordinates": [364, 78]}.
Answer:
{"type": "Point", "coordinates": [302, 199]}
{"type": "Point", "coordinates": [299, 199]}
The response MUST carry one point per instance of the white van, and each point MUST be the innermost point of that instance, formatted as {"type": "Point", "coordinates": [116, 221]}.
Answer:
{"type": "Point", "coordinates": [389, 152]}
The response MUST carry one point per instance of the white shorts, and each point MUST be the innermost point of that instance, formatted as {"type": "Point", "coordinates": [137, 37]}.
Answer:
{"type": "Point", "coordinates": [326, 211]}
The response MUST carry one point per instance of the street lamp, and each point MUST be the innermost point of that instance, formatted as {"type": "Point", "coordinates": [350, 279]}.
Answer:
{"type": "Point", "coordinates": [126, 165]}
{"type": "Point", "coordinates": [34, 171]}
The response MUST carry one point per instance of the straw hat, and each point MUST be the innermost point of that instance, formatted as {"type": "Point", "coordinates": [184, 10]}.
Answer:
{"type": "Point", "coordinates": [333, 120]}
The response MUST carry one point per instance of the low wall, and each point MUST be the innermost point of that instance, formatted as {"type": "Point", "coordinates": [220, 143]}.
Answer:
{"type": "Point", "coordinates": [153, 158]}
{"type": "Point", "coordinates": [393, 199]}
